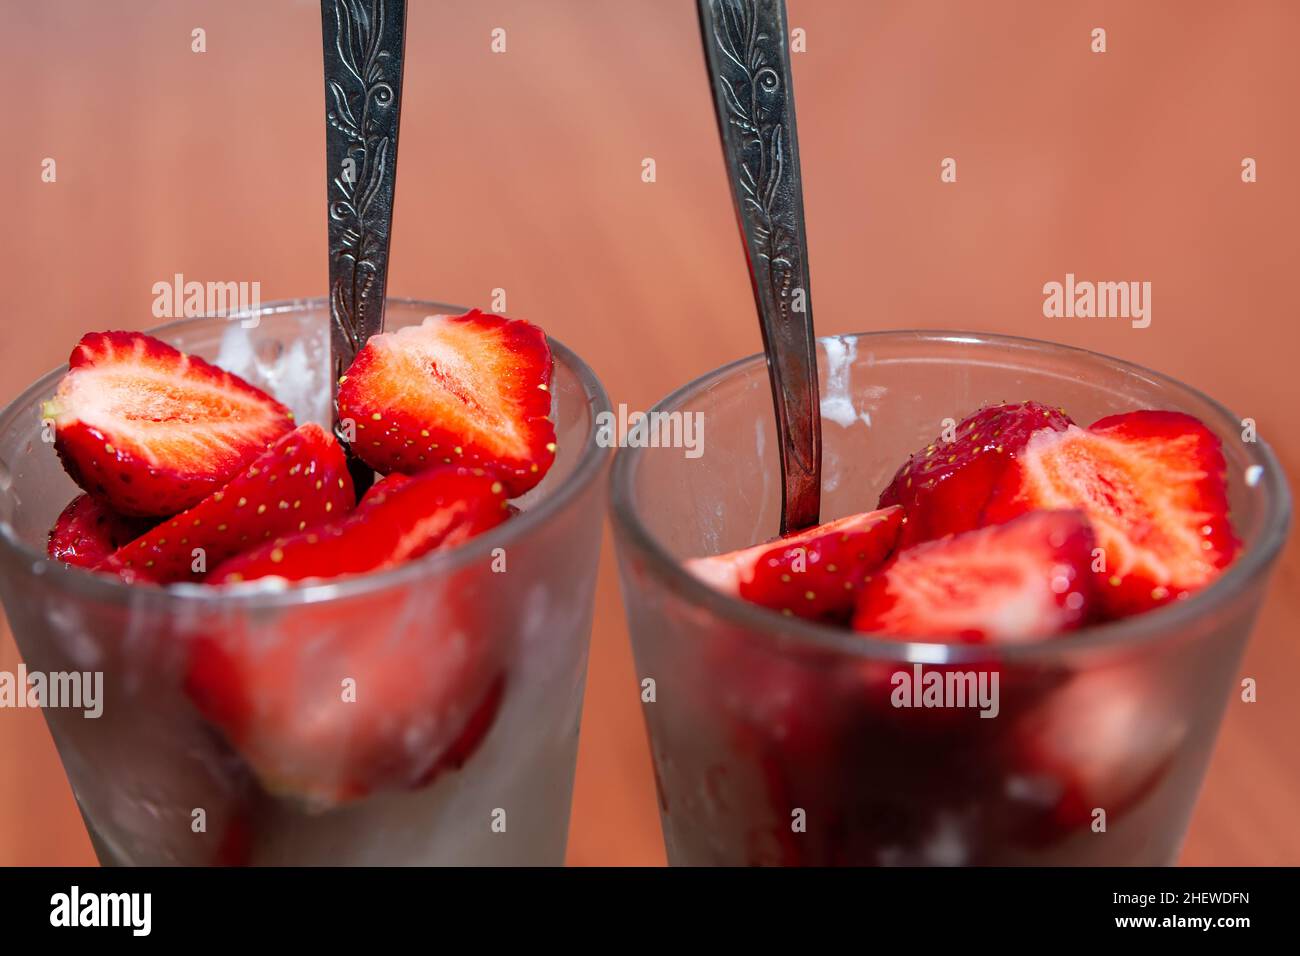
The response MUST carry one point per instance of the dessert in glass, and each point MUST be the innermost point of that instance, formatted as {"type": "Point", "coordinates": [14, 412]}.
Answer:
{"type": "Point", "coordinates": [290, 675]}
{"type": "Point", "coordinates": [1011, 643]}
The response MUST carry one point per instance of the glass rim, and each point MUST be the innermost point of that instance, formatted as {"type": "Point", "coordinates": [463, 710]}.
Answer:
{"type": "Point", "coordinates": [1129, 632]}
{"type": "Point", "coordinates": [85, 583]}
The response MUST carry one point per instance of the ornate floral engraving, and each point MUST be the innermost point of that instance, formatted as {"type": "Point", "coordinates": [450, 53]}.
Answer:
{"type": "Point", "coordinates": [363, 74]}
{"type": "Point", "coordinates": [751, 83]}
{"type": "Point", "coordinates": [745, 42]}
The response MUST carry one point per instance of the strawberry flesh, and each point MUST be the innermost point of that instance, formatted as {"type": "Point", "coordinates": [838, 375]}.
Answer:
{"type": "Point", "coordinates": [1013, 583]}
{"type": "Point", "coordinates": [399, 519]}
{"type": "Point", "coordinates": [471, 737]}
{"type": "Point", "coordinates": [299, 482]}
{"type": "Point", "coordinates": [426, 695]}
{"type": "Point", "coordinates": [1105, 739]}
{"type": "Point", "coordinates": [153, 431]}
{"type": "Point", "coordinates": [815, 573]}
{"type": "Point", "coordinates": [427, 681]}
{"type": "Point", "coordinates": [1152, 484]}
{"type": "Point", "coordinates": [87, 531]}
{"type": "Point", "coordinates": [471, 390]}
{"type": "Point", "coordinates": [944, 487]}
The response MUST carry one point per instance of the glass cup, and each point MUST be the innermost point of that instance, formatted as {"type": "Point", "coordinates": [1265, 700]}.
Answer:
{"type": "Point", "coordinates": [775, 740]}
{"type": "Point", "coordinates": [477, 654]}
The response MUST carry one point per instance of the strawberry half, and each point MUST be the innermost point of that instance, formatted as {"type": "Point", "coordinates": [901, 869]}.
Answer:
{"type": "Point", "coordinates": [1152, 484]}
{"type": "Point", "coordinates": [385, 691]}
{"type": "Point", "coordinates": [399, 519]}
{"type": "Point", "coordinates": [1104, 739]}
{"type": "Point", "coordinates": [470, 389]}
{"type": "Point", "coordinates": [471, 737]}
{"type": "Point", "coordinates": [153, 431]}
{"type": "Point", "coordinates": [815, 573]}
{"type": "Point", "coordinates": [383, 486]}
{"type": "Point", "coordinates": [87, 531]}
{"type": "Point", "coordinates": [299, 482]}
{"type": "Point", "coordinates": [945, 486]}
{"type": "Point", "coordinates": [425, 670]}
{"type": "Point", "coordinates": [1012, 583]}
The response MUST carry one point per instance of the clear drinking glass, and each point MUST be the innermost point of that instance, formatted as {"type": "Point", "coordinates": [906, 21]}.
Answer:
{"type": "Point", "coordinates": [774, 740]}
{"type": "Point", "coordinates": [507, 614]}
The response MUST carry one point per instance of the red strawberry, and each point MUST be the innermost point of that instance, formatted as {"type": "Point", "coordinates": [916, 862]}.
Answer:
{"type": "Point", "coordinates": [299, 482]}
{"type": "Point", "coordinates": [1152, 485]}
{"type": "Point", "coordinates": [87, 531]}
{"type": "Point", "coordinates": [384, 691]}
{"type": "Point", "coordinates": [426, 677]}
{"type": "Point", "coordinates": [153, 431]}
{"type": "Point", "coordinates": [815, 573]}
{"type": "Point", "coordinates": [1102, 740]}
{"type": "Point", "coordinates": [383, 486]}
{"type": "Point", "coordinates": [399, 519]}
{"type": "Point", "coordinates": [945, 486]}
{"type": "Point", "coordinates": [471, 736]}
{"type": "Point", "coordinates": [1008, 584]}
{"type": "Point", "coordinates": [468, 389]}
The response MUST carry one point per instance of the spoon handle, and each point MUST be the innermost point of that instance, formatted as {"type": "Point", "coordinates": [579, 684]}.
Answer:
{"type": "Point", "coordinates": [746, 48]}
{"type": "Point", "coordinates": [363, 43]}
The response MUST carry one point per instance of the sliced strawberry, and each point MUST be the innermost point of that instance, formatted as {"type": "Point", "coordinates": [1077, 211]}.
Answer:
{"type": "Point", "coordinates": [945, 486]}
{"type": "Point", "coordinates": [470, 389]}
{"type": "Point", "coordinates": [383, 486]}
{"type": "Point", "coordinates": [386, 692]}
{"type": "Point", "coordinates": [1152, 485]}
{"type": "Point", "coordinates": [87, 531]}
{"type": "Point", "coordinates": [400, 519]}
{"type": "Point", "coordinates": [1102, 740]}
{"type": "Point", "coordinates": [421, 663]}
{"type": "Point", "coordinates": [1012, 583]}
{"type": "Point", "coordinates": [153, 431]}
{"type": "Point", "coordinates": [299, 482]}
{"type": "Point", "coordinates": [815, 573]}
{"type": "Point", "coordinates": [471, 736]}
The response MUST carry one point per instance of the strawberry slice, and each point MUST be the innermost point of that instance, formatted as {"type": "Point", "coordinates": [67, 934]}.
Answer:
{"type": "Point", "coordinates": [945, 486]}
{"type": "Point", "coordinates": [421, 660]}
{"type": "Point", "coordinates": [87, 531]}
{"type": "Point", "coordinates": [382, 487]}
{"type": "Point", "coordinates": [1104, 740]}
{"type": "Point", "coordinates": [1013, 583]}
{"type": "Point", "coordinates": [299, 482]}
{"type": "Point", "coordinates": [387, 691]}
{"type": "Point", "coordinates": [471, 736]}
{"type": "Point", "coordinates": [399, 519]}
{"type": "Point", "coordinates": [470, 389]}
{"type": "Point", "coordinates": [1152, 485]}
{"type": "Point", "coordinates": [815, 573]}
{"type": "Point", "coordinates": [153, 431]}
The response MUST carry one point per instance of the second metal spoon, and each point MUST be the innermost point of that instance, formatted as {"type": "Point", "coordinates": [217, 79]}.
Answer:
{"type": "Point", "coordinates": [746, 47]}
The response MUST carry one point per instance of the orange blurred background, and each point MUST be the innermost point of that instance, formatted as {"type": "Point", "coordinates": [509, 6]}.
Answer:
{"type": "Point", "coordinates": [522, 170]}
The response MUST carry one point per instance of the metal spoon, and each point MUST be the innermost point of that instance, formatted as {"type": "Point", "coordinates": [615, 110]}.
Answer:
{"type": "Point", "coordinates": [746, 46]}
{"type": "Point", "coordinates": [364, 42]}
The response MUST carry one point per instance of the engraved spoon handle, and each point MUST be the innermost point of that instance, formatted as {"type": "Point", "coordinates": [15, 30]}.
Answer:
{"type": "Point", "coordinates": [746, 48]}
{"type": "Point", "coordinates": [363, 43]}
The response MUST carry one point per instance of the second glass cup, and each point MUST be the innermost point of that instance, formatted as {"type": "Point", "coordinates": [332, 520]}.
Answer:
{"type": "Point", "coordinates": [774, 740]}
{"type": "Point", "coordinates": [479, 652]}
